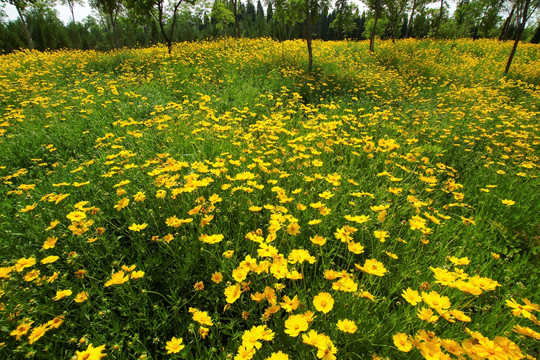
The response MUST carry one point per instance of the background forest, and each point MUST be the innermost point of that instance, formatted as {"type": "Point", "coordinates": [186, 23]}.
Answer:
{"type": "Point", "coordinates": [141, 23]}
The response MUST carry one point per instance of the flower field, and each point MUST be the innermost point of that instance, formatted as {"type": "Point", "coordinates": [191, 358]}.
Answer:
{"type": "Point", "coordinates": [223, 203]}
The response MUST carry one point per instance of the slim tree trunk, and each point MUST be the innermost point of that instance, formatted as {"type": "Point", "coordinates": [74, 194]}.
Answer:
{"type": "Point", "coordinates": [236, 22]}
{"type": "Point", "coordinates": [504, 29]}
{"type": "Point", "coordinates": [373, 31]}
{"type": "Point", "coordinates": [409, 25]}
{"type": "Point", "coordinates": [26, 30]}
{"type": "Point", "coordinates": [308, 36]}
{"type": "Point", "coordinates": [113, 23]}
{"type": "Point", "coordinates": [440, 19]}
{"type": "Point", "coordinates": [71, 5]}
{"type": "Point", "coordinates": [521, 27]}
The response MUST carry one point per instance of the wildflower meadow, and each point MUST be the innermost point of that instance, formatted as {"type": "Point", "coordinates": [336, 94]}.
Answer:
{"type": "Point", "coordinates": [222, 202]}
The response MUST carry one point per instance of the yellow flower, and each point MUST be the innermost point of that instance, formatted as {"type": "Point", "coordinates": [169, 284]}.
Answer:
{"type": "Point", "coordinates": [60, 294]}
{"type": "Point", "coordinates": [91, 353]}
{"type": "Point", "coordinates": [318, 240]}
{"type": "Point", "coordinates": [217, 277]}
{"type": "Point", "coordinates": [21, 330]}
{"type": "Point", "coordinates": [37, 333]}
{"type": "Point", "coordinates": [232, 293]}
{"type": "Point", "coordinates": [174, 345]}
{"type": "Point", "coordinates": [402, 342]}
{"type": "Point", "coordinates": [347, 326]}
{"type": "Point", "coordinates": [278, 356]}
{"type": "Point", "coordinates": [24, 263]}
{"type": "Point", "coordinates": [508, 202]}
{"type": "Point", "coordinates": [137, 227]}
{"type": "Point", "coordinates": [28, 208]}
{"type": "Point", "coordinates": [323, 302]}
{"type": "Point", "coordinates": [81, 297]}
{"type": "Point", "coordinates": [211, 239]}
{"type": "Point", "coordinates": [49, 259]}
{"type": "Point", "coordinates": [117, 278]}
{"type": "Point", "coordinates": [295, 324]}
{"type": "Point", "coordinates": [137, 274]}
{"type": "Point", "coordinates": [411, 296]}
{"type": "Point", "coordinates": [373, 267]}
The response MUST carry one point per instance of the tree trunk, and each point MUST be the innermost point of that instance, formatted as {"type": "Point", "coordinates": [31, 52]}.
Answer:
{"type": "Point", "coordinates": [71, 6]}
{"type": "Point", "coordinates": [409, 25]}
{"type": "Point", "coordinates": [440, 19]}
{"type": "Point", "coordinates": [113, 24]}
{"type": "Point", "coordinates": [162, 28]}
{"type": "Point", "coordinates": [26, 31]}
{"type": "Point", "coordinates": [236, 22]}
{"type": "Point", "coordinates": [308, 36]}
{"type": "Point", "coordinates": [504, 29]}
{"type": "Point", "coordinates": [374, 30]}
{"type": "Point", "coordinates": [521, 27]}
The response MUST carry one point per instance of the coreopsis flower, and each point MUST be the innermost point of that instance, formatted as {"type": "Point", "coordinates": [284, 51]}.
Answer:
{"type": "Point", "coordinates": [295, 324]}
{"type": "Point", "coordinates": [323, 302]}
{"type": "Point", "coordinates": [174, 345]}
{"type": "Point", "coordinates": [211, 239]}
{"type": "Point", "coordinates": [23, 263]}
{"type": "Point", "coordinates": [121, 204]}
{"type": "Point", "coordinates": [232, 293]}
{"type": "Point", "coordinates": [381, 235]}
{"type": "Point", "coordinates": [117, 278]}
{"type": "Point", "coordinates": [49, 259]}
{"type": "Point", "coordinates": [81, 297]}
{"type": "Point", "coordinates": [508, 202]}
{"type": "Point", "coordinates": [21, 330]}
{"type": "Point", "coordinates": [347, 326]}
{"type": "Point", "coordinates": [56, 322]}
{"type": "Point", "coordinates": [411, 296]}
{"type": "Point", "coordinates": [289, 304]}
{"type": "Point", "coordinates": [217, 277]}
{"type": "Point", "coordinates": [459, 261]}
{"type": "Point", "coordinates": [137, 274]}
{"type": "Point", "coordinates": [138, 227]}
{"type": "Point", "coordinates": [427, 314]}
{"type": "Point", "coordinates": [60, 294]}
{"type": "Point", "coordinates": [436, 301]}
{"type": "Point", "coordinates": [50, 242]}
{"type": "Point", "coordinates": [318, 240]}
{"type": "Point", "coordinates": [202, 318]}
{"type": "Point", "coordinates": [402, 342]}
{"type": "Point", "coordinates": [373, 267]}
{"type": "Point", "coordinates": [278, 356]}
{"type": "Point", "coordinates": [37, 333]}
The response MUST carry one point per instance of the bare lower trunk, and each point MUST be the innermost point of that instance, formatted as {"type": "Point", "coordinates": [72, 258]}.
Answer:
{"type": "Point", "coordinates": [409, 25]}
{"type": "Point", "coordinates": [236, 22]}
{"type": "Point", "coordinates": [308, 36]}
{"type": "Point", "coordinates": [373, 31]}
{"type": "Point", "coordinates": [440, 19]}
{"type": "Point", "coordinates": [26, 31]}
{"type": "Point", "coordinates": [521, 27]}
{"type": "Point", "coordinates": [504, 29]}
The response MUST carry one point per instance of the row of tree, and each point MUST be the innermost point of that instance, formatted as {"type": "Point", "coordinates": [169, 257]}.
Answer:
{"type": "Point", "coordinates": [145, 22]}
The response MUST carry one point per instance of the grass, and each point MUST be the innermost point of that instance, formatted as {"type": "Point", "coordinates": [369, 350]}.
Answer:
{"type": "Point", "coordinates": [202, 205]}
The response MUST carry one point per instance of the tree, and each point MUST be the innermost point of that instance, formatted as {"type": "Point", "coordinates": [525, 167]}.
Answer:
{"type": "Point", "coordinates": [222, 15]}
{"type": "Point", "coordinates": [111, 9]}
{"type": "Point", "coordinates": [158, 10]}
{"type": "Point", "coordinates": [71, 5]}
{"type": "Point", "coordinates": [524, 10]}
{"type": "Point", "coordinates": [21, 6]}
{"type": "Point", "coordinates": [377, 7]}
{"type": "Point", "coordinates": [345, 20]}
{"type": "Point", "coordinates": [395, 10]}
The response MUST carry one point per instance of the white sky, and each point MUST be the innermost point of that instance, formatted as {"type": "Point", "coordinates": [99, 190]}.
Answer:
{"type": "Point", "coordinates": [62, 10]}
{"type": "Point", "coordinates": [82, 12]}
